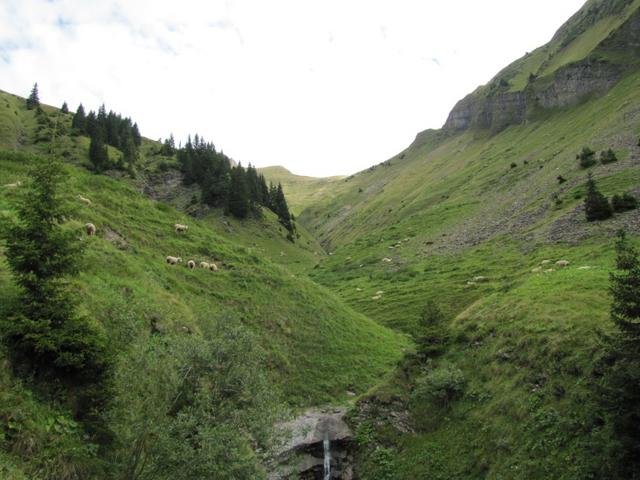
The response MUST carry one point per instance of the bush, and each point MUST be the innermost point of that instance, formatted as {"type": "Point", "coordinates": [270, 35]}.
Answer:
{"type": "Point", "coordinates": [624, 202]}
{"type": "Point", "coordinates": [587, 157]}
{"type": "Point", "coordinates": [440, 386]}
{"type": "Point", "coordinates": [514, 164]}
{"type": "Point", "coordinates": [432, 332]}
{"type": "Point", "coordinates": [561, 179]}
{"type": "Point", "coordinates": [608, 156]}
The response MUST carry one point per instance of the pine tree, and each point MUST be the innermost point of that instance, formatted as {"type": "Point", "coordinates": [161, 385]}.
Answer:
{"type": "Point", "coordinates": [64, 108]}
{"type": "Point", "coordinates": [79, 120]}
{"type": "Point", "coordinates": [587, 157]}
{"type": "Point", "coordinates": [596, 205]}
{"type": "Point", "coordinates": [33, 101]}
{"type": "Point", "coordinates": [98, 153]}
{"type": "Point", "coordinates": [45, 331]}
{"type": "Point", "coordinates": [238, 202]}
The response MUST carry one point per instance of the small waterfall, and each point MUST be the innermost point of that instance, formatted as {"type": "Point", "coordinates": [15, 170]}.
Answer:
{"type": "Point", "coordinates": [327, 457]}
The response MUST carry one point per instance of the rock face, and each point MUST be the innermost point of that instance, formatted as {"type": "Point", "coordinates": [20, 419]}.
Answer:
{"type": "Point", "coordinates": [302, 454]}
{"type": "Point", "coordinates": [568, 86]}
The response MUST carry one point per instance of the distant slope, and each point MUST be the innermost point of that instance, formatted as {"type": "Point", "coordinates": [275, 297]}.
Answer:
{"type": "Point", "coordinates": [301, 191]}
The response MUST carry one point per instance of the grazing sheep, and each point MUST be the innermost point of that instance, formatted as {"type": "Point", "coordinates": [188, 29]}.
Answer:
{"type": "Point", "coordinates": [471, 284]}
{"type": "Point", "coordinates": [550, 270]}
{"type": "Point", "coordinates": [180, 228]}
{"type": "Point", "coordinates": [545, 262]}
{"type": "Point", "coordinates": [480, 278]}
{"type": "Point", "coordinates": [13, 185]}
{"type": "Point", "coordinates": [358, 289]}
{"type": "Point", "coordinates": [205, 265]}
{"type": "Point", "coordinates": [191, 264]}
{"type": "Point", "coordinates": [536, 270]}
{"type": "Point", "coordinates": [377, 297]}
{"type": "Point", "coordinates": [173, 260]}
{"type": "Point", "coordinates": [386, 259]}
{"type": "Point", "coordinates": [586, 267]}
{"type": "Point", "coordinates": [213, 267]}
{"type": "Point", "coordinates": [91, 229]}
{"type": "Point", "coordinates": [379, 292]}
{"type": "Point", "coordinates": [562, 263]}
{"type": "Point", "coordinates": [85, 200]}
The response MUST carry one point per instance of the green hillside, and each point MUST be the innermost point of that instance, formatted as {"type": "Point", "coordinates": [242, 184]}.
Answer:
{"type": "Point", "coordinates": [463, 219]}
{"type": "Point", "coordinates": [135, 297]}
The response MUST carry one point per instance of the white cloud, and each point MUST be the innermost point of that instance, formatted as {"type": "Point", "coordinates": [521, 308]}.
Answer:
{"type": "Point", "coordinates": [322, 87]}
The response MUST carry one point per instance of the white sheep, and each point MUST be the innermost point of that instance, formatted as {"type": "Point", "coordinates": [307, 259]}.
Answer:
{"type": "Point", "coordinates": [545, 262]}
{"type": "Point", "coordinates": [205, 265]}
{"type": "Point", "coordinates": [536, 270]}
{"type": "Point", "coordinates": [480, 278]}
{"type": "Point", "coordinates": [550, 270]}
{"type": "Point", "coordinates": [562, 263]}
{"type": "Point", "coordinates": [173, 260]}
{"type": "Point", "coordinates": [213, 267]}
{"type": "Point", "coordinates": [13, 185]}
{"type": "Point", "coordinates": [85, 200]}
{"type": "Point", "coordinates": [191, 264]}
{"type": "Point", "coordinates": [180, 228]}
{"type": "Point", "coordinates": [91, 229]}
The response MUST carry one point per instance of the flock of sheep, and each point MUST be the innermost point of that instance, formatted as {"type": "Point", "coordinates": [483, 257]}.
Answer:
{"type": "Point", "coordinates": [90, 228]}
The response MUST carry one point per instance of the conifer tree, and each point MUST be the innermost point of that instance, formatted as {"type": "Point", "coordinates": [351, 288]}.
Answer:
{"type": "Point", "coordinates": [98, 153]}
{"type": "Point", "coordinates": [596, 205]}
{"type": "Point", "coordinates": [621, 379]}
{"type": "Point", "coordinates": [137, 138]}
{"type": "Point", "coordinates": [45, 331]}
{"type": "Point", "coordinates": [64, 108]}
{"type": "Point", "coordinates": [33, 101]}
{"type": "Point", "coordinates": [79, 120]}
{"type": "Point", "coordinates": [238, 202]}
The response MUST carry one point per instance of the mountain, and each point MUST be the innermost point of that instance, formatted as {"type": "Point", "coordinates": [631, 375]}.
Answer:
{"type": "Point", "coordinates": [465, 217]}
{"type": "Point", "coordinates": [143, 306]}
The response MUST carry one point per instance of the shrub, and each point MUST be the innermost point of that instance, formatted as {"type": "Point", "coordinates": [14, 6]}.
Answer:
{"type": "Point", "coordinates": [514, 164]}
{"type": "Point", "coordinates": [608, 156]}
{"type": "Point", "coordinates": [561, 179]}
{"type": "Point", "coordinates": [440, 386]}
{"type": "Point", "coordinates": [621, 203]}
{"type": "Point", "coordinates": [587, 157]}
{"type": "Point", "coordinates": [432, 332]}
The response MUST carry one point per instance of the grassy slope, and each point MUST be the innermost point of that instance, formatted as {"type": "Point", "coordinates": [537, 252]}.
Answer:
{"type": "Point", "coordinates": [309, 334]}
{"type": "Point", "coordinates": [454, 208]}
{"type": "Point", "coordinates": [301, 191]}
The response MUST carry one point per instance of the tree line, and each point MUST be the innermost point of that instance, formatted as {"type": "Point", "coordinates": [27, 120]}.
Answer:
{"type": "Point", "coordinates": [240, 191]}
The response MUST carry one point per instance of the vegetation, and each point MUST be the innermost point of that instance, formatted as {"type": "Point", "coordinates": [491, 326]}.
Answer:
{"type": "Point", "coordinates": [33, 100]}
{"type": "Point", "coordinates": [45, 331]}
{"type": "Point", "coordinates": [587, 157]}
{"type": "Point", "coordinates": [608, 156]}
{"type": "Point", "coordinates": [624, 202]}
{"type": "Point", "coordinates": [596, 205]}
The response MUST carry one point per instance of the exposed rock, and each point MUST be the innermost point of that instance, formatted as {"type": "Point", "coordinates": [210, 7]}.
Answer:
{"type": "Point", "coordinates": [301, 456]}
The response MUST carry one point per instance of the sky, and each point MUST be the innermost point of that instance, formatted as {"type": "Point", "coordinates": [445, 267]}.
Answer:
{"type": "Point", "coordinates": [322, 87]}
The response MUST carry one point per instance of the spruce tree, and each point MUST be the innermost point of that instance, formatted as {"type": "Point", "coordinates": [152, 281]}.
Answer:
{"type": "Point", "coordinates": [98, 153]}
{"type": "Point", "coordinates": [587, 157]}
{"type": "Point", "coordinates": [238, 202]}
{"type": "Point", "coordinates": [596, 205]}
{"type": "Point", "coordinates": [64, 108]}
{"type": "Point", "coordinates": [621, 376]}
{"type": "Point", "coordinates": [33, 101]}
{"type": "Point", "coordinates": [79, 120]}
{"type": "Point", "coordinates": [137, 138]}
{"type": "Point", "coordinates": [45, 331]}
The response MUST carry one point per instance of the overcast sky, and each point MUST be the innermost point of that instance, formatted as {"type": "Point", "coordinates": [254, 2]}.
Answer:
{"type": "Point", "coordinates": [323, 87]}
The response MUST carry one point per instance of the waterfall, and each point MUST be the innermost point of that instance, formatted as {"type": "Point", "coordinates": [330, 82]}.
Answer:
{"type": "Point", "coordinates": [327, 457]}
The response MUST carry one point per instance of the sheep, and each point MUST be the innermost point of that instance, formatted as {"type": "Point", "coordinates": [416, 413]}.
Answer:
{"type": "Point", "coordinates": [180, 228]}
{"type": "Point", "coordinates": [480, 278]}
{"type": "Point", "coordinates": [586, 267]}
{"type": "Point", "coordinates": [386, 259]}
{"type": "Point", "coordinates": [213, 267]}
{"type": "Point", "coordinates": [85, 200]}
{"type": "Point", "coordinates": [173, 260]}
{"type": "Point", "coordinates": [13, 185]}
{"type": "Point", "coordinates": [536, 270]}
{"type": "Point", "coordinates": [379, 292]}
{"type": "Point", "coordinates": [191, 264]}
{"type": "Point", "coordinates": [91, 229]}
{"type": "Point", "coordinates": [377, 297]}
{"type": "Point", "coordinates": [562, 263]}
{"type": "Point", "coordinates": [545, 262]}
{"type": "Point", "coordinates": [205, 265]}
{"type": "Point", "coordinates": [550, 270]}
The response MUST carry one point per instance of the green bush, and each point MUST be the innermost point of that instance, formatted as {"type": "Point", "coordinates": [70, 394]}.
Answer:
{"type": "Point", "coordinates": [432, 334]}
{"type": "Point", "coordinates": [440, 386]}
{"type": "Point", "coordinates": [596, 205]}
{"type": "Point", "coordinates": [621, 203]}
